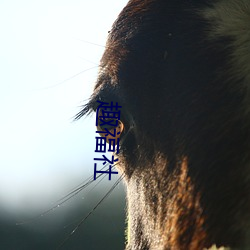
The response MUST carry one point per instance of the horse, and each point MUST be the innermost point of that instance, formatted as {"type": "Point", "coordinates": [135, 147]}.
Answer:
{"type": "Point", "coordinates": [180, 69]}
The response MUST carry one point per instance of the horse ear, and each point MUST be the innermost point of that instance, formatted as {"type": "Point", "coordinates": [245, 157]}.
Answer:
{"type": "Point", "coordinates": [114, 132]}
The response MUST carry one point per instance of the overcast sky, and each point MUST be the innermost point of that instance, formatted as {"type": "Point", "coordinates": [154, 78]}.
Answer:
{"type": "Point", "coordinates": [47, 70]}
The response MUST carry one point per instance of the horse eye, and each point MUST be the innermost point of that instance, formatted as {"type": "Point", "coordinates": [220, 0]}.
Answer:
{"type": "Point", "coordinates": [114, 132]}
{"type": "Point", "coordinates": [105, 126]}
{"type": "Point", "coordinates": [108, 123]}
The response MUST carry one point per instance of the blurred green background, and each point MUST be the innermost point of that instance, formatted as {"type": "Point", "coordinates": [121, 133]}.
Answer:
{"type": "Point", "coordinates": [104, 229]}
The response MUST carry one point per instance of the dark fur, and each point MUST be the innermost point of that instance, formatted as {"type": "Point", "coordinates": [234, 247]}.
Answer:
{"type": "Point", "coordinates": [185, 149]}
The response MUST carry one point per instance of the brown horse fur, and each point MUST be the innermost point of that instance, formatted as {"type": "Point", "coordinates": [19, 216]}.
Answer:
{"type": "Point", "coordinates": [181, 71]}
